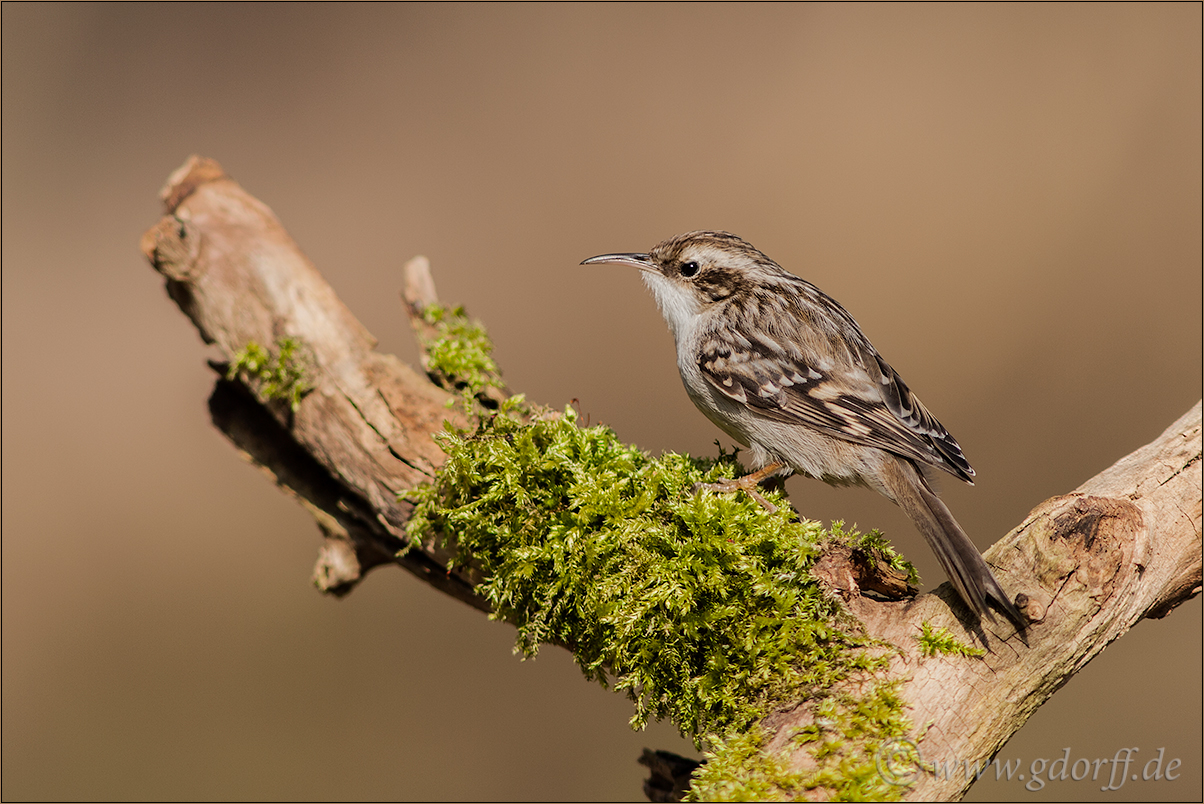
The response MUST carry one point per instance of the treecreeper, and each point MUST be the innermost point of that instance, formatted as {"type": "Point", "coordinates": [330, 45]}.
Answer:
{"type": "Point", "coordinates": [784, 370]}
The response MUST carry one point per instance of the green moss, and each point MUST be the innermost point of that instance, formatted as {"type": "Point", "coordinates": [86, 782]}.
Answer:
{"type": "Point", "coordinates": [700, 606]}
{"type": "Point", "coordinates": [737, 769]}
{"type": "Point", "coordinates": [459, 352]}
{"type": "Point", "coordinates": [278, 376]}
{"type": "Point", "coordinates": [938, 640]}
{"type": "Point", "coordinates": [874, 544]}
{"type": "Point", "coordinates": [848, 733]}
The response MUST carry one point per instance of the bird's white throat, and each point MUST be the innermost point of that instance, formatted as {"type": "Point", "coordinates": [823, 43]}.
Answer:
{"type": "Point", "coordinates": [678, 305]}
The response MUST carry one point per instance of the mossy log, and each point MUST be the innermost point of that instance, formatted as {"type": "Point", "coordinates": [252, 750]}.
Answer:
{"type": "Point", "coordinates": [349, 432]}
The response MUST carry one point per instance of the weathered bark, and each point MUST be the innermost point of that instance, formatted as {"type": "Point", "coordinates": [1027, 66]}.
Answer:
{"type": "Point", "coordinates": [361, 435]}
{"type": "Point", "coordinates": [1124, 545]}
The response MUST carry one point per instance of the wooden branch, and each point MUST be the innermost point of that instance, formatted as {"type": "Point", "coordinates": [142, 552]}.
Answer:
{"type": "Point", "coordinates": [361, 435]}
{"type": "Point", "coordinates": [1123, 546]}
{"type": "Point", "coordinates": [1090, 564]}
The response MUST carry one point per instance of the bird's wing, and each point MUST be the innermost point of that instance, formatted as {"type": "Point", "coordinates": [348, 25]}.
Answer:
{"type": "Point", "coordinates": [851, 393]}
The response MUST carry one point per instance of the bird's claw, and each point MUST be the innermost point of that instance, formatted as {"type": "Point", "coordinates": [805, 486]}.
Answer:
{"type": "Point", "coordinates": [727, 486]}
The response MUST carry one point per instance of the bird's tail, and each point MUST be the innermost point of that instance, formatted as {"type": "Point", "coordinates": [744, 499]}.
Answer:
{"type": "Point", "coordinates": [960, 559]}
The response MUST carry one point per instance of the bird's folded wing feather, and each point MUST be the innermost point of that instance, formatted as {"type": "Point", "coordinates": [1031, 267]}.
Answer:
{"type": "Point", "coordinates": [857, 397]}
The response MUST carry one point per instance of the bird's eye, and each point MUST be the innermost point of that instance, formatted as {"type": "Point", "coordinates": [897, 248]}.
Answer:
{"type": "Point", "coordinates": [689, 269]}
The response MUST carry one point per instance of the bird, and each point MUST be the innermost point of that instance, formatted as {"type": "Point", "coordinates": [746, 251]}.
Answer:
{"type": "Point", "coordinates": [786, 371]}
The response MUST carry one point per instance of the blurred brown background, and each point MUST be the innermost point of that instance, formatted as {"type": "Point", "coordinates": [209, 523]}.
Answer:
{"type": "Point", "coordinates": [1007, 197]}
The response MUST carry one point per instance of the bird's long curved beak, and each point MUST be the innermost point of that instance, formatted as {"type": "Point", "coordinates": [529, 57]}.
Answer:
{"type": "Point", "coordinates": [642, 261]}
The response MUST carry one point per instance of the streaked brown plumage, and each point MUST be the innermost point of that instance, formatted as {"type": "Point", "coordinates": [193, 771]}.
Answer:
{"type": "Point", "coordinates": [784, 370]}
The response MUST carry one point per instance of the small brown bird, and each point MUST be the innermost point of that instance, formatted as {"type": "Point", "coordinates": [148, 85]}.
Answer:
{"type": "Point", "coordinates": [784, 370]}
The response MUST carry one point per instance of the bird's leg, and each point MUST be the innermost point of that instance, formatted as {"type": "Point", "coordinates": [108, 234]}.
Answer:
{"type": "Point", "coordinates": [748, 484]}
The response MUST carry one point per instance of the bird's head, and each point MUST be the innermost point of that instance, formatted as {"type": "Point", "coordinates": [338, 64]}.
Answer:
{"type": "Point", "coordinates": [695, 272]}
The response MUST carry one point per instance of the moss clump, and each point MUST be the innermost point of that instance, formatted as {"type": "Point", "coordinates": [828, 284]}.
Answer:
{"type": "Point", "coordinates": [694, 603]}
{"type": "Point", "coordinates": [874, 545]}
{"type": "Point", "coordinates": [849, 733]}
{"type": "Point", "coordinates": [700, 606]}
{"type": "Point", "coordinates": [737, 769]}
{"type": "Point", "coordinates": [937, 640]}
{"type": "Point", "coordinates": [279, 376]}
{"type": "Point", "coordinates": [458, 352]}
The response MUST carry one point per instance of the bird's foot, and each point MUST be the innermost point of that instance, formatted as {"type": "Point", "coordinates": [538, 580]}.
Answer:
{"type": "Point", "coordinates": [748, 484]}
